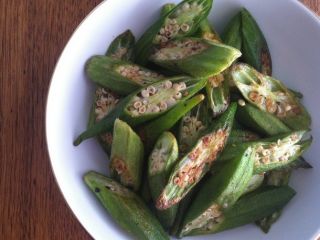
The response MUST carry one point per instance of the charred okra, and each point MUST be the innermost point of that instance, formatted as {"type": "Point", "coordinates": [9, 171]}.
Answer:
{"type": "Point", "coordinates": [127, 154]}
{"type": "Point", "coordinates": [195, 56]}
{"type": "Point", "coordinates": [181, 21]}
{"type": "Point", "coordinates": [161, 161]}
{"type": "Point", "coordinates": [218, 194]}
{"type": "Point", "coordinates": [270, 95]}
{"type": "Point", "coordinates": [120, 76]}
{"type": "Point", "coordinates": [125, 207]}
{"type": "Point", "coordinates": [195, 164]}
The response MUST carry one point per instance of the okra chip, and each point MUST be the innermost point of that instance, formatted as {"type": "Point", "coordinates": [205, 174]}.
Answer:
{"type": "Point", "coordinates": [156, 99]}
{"type": "Point", "coordinates": [270, 95]}
{"type": "Point", "coordinates": [218, 194]}
{"type": "Point", "coordinates": [127, 155]}
{"type": "Point", "coordinates": [195, 56]}
{"type": "Point", "coordinates": [255, 49]}
{"type": "Point", "coordinates": [181, 21]}
{"type": "Point", "coordinates": [122, 46]}
{"type": "Point", "coordinates": [195, 164]}
{"type": "Point", "coordinates": [120, 76]}
{"type": "Point", "coordinates": [125, 207]}
{"type": "Point", "coordinates": [161, 161]}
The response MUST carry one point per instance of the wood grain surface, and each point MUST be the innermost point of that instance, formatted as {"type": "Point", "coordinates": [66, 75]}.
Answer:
{"type": "Point", "coordinates": [33, 34]}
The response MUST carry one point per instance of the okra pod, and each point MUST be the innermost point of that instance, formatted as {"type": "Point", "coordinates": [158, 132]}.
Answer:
{"type": "Point", "coordinates": [251, 207]}
{"type": "Point", "coordinates": [254, 45]}
{"type": "Point", "coordinates": [183, 20]}
{"type": "Point", "coordinates": [166, 8]}
{"type": "Point", "coordinates": [218, 194]}
{"type": "Point", "coordinates": [195, 164]}
{"type": "Point", "coordinates": [122, 46]}
{"type": "Point", "coordinates": [260, 121]}
{"type": "Point", "coordinates": [270, 95]}
{"type": "Point", "coordinates": [125, 207]}
{"type": "Point", "coordinates": [122, 77]}
{"type": "Point", "coordinates": [164, 123]}
{"type": "Point", "coordinates": [146, 104]}
{"type": "Point", "coordinates": [232, 35]}
{"type": "Point", "coordinates": [161, 161]}
{"type": "Point", "coordinates": [192, 126]}
{"type": "Point", "coordinates": [127, 155]}
{"type": "Point", "coordinates": [195, 56]}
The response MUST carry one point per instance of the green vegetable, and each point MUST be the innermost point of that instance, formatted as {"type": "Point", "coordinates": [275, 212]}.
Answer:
{"type": "Point", "coordinates": [195, 164]}
{"type": "Point", "coordinates": [183, 20]}
{"type": "Point", "coordinates": [218, 194]}
{"type": "Point", "coordinates": [270, 95]}
{"type": "Point", "coordinates": [120, 76]}
{"type": "Point", "coordinates": [195, 56]}
{"type": "Point", "coordinates": [161, 161]}
{"type": "Point", "coordinates": [127, 154]}
{"type": "Point", "coordinates": [125, 207]}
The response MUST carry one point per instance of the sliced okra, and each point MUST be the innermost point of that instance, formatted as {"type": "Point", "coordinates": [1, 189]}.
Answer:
{"type": "Point", "coordinates": [254, 45]}
{"type": "Point", "coordinates": [241, 136]}
{"type": "Point", "coordinates": [166, 8]}
{"type": "Point", "coordinates": [255, 182]}
{"type": "Point", "coordinates": [181, 21]}
{"type": "Point", "coordinates": [195, 164]}
{"type": "Point", "coordinates": [122, 77]}
{"type": "Point", "coordinates": [161, 161]}
{"type": "Point", "coordinates": [158, 98]}
{"type": "Point", "coordinates": [127, 155]}
{"type": "Point", "coordinates": [122, 46]}
{"type": "Point", "coordinates": [146, 104]}
{"type": "Point", "coordinates": [218, 194]}
{"type": "Point", "coordinates": [125, 207]}
{"type": "Point", "coordinates": [195, 56]}
{"type": "Point", "coordinates": [165, 122]}
{"type": "Point", "coordinates": [232, 34]}
{"type": "Point", "coordinates": [192, 126]}
{"type": "Point", "coordinates": [260, 121]}
{"type": "Point", "coordinates": [270, 95]}
{"type": "Point", "coordinates": [250, 208]}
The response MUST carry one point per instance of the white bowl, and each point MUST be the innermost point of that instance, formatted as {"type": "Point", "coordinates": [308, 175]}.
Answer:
{"type": "Point", "coordinates": [293, 35]}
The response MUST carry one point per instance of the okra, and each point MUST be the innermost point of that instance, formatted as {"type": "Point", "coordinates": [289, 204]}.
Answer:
{"type": "Point", "coordinates": [195, 56]}
{"type": "Point", "coordinates": [270, 95]}
{"type": "Point", "coordinates": [241, 136]}
{"type": "Point", "coordinates": [218, 194]}
{"type": "Point", "coordinates": [183, 20]}
{"type": "Point", "coordinates": [195, 164]}
{"type": "Point", "coordinates": [166, 8]}
{"type": "Point", "coordinates": [250, 208]}
{"type": "Point", "coordinates": [255, 182]}
{"type": "Point", "coordinates": [125, 207]}
{"type": "Point", "coordinates": [122, 46]}
{"type": "Point", "coordinates": [260, 121]}
{"type": "Point", "coordinates": [192, 126]}
{"type": "Point", "coordinates": [120, 76]}
{"type": "Point", "coordinates": [164, 123]}
{"type": "Point", "coordinates": [127, 155]}
{"type": "Point", "coordinates": [146, 104]}
{"type": "Point", "coordinates": [254, 45]}
{"type": "Point", "coordinates": [232, 35]}
{"type": "Point", "coordinates": [161, 161]}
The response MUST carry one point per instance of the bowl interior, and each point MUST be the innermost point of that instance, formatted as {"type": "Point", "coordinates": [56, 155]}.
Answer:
{"type": "Point", "coordinates": [293, 35]}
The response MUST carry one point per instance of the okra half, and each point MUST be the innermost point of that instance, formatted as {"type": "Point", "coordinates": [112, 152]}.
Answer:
{"type": "Point", "coordinates": [195, 56]}
{"type": "Point", "coordinates": [218, 194]}
{"type": "Point", "coordinates": [161, 161]}
{"type": "Point", "coordinates": [120, 76]}
{"type": "Point", "coordinates": [125, 207]}
{"type": "Point", "coordinates": [195, 164]}
{"type": "Point", "coordinates": [127, 155]}
{"type": "Point", "coordinates": [270, 95]}
{"type": "Point", "coordinates": [181, 21]}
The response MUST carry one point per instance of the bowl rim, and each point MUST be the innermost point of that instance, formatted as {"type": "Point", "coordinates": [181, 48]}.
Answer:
{"type": "Point", "coordinates": [301, 5]}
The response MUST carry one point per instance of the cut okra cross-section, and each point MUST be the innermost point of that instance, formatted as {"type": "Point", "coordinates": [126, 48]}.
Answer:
{"type": "Point", "coordinates": [195, 56]}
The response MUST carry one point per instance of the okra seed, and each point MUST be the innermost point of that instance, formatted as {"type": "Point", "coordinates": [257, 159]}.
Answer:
{"type": "Point", "coordinates": [176, 87]}
{"type": "Point", "coordinates": [187, 119]}
{"type": "Point", "coordinates": [171, 101]}
{"type": "Point", "coordinates": [152, 90]}
{"type": "Point", "coordinates": [137, 104]}
{"type": "Point", "coordinates": [241, 102]}
{"type": "Point", "coordinates": [178, 95]}
{"type": "Point", "coordinates": [155, 109]}
{"type": "Point", "coordinates": [185, 27]}
{"type": "Point", "coordinates": [265, 152]}
{"type": "Point", "coordinates": [163, 106]}
{"type": "Point", "coordinates": [186, 7]}
{"type": "Point", "coordinates": [142, 109]}
{"type": "Point", "coordinates": [162, 31]}
{"type": "Point", "coordinates": [183, 86]}
{"type": "Point", "coordinates": [144, 102]}
{"type": "Point", "coordinates": [288, 108]}
{"type": "Point", "coordinates": [145, 93]}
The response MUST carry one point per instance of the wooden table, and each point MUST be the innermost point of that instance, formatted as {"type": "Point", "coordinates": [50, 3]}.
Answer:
{"type": "Point", "coordinates": [33, 34]}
